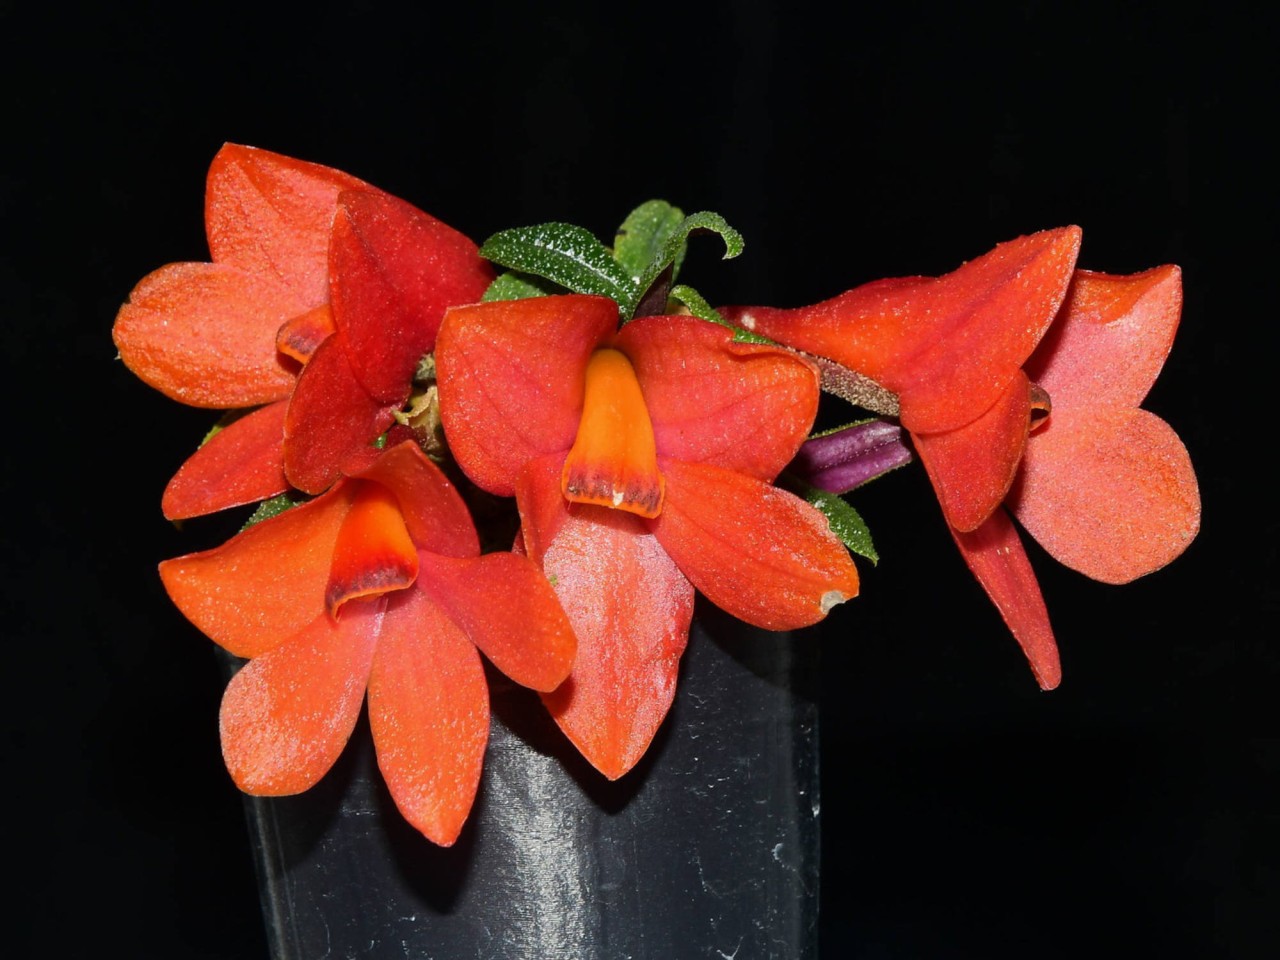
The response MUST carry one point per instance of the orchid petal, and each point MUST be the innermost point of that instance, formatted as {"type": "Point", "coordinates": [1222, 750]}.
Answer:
{"type": "Point", "coordinates": [394, 272]}
{"type": "Point", "coordinates": [630, 608]}
{"type": "Point", "coordinates": [242, 463]}
{"type": "Point", "coordinates": [299, 336]}
{"type": "Point", "coordinates": [868, 329]}
{"type": "Point", "coordinates": [1108, 491]}
{"type": "Point", "coordinates": [373, 554]}
{"type": "Point", "coordinates": [947, 346]}
{"type": "Point", "coordinates": [997, 308]}
{"type": "Point", "coordinates": [740, 406]}
{"type": "Point", "coordinates": [543, 509]}
{"type": "Point", "coordinates": [271, 215]}
{"type": "Point", "coordinates": [204, 334]}
{"type": "Point", "coordinates": [1111, 340]}
{"type": "Point", "coordinates": [287, 715]}
{"type": "Point", "coordinates": [433, 510]}
{"type": "Point", "coordinates": [429, 714]}
{"type": "Point", "coordinates": [511, 379]}
{"type": "Point", "coordinates": [331, 422]}
{"type": "Point", "coordinates": [264, 584]}
{"type": "Point", "coordinates": [972, 467]}
{"type": "Point", "coordinates": [508, 609]}
{"type": "Point", "coordinates": [995, 554]}
{"type": "Point", "coordinates": [757, 552]}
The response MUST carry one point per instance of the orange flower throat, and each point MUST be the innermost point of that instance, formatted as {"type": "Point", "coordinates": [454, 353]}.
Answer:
{"type": "Point", "coordinates": [613, 461]}
{"type": "Point", "coordinates": [374, 553]}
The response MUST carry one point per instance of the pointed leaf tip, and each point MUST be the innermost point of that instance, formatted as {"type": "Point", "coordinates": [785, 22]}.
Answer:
{"type": "Point", "coordinates": [567, 255]}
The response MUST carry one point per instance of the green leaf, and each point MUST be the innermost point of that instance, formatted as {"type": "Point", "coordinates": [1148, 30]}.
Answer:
{"type": "Point", "coordinates": [567, 255]}
{"type": "Point", "coordinates": [274, 507]}
{"type": "Point", "coordinates": [846, 523]}
{"type": "Point", "coordinates": [643, 235]}
{"type": "Point", "coordinates": [704, 311]}
{"type": "Point", "coordinates": [513, 285]}
{"type": "Point", "coordinates": [673, 250]}
{"type": "Point", "coordinates": [697, 305]}
{"type": "Point", "coordinates": [707, 221]}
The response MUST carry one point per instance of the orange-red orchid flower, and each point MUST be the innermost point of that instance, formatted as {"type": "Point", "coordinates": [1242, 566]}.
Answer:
{"type": "Point", "coordinates": [232, 333]}
{"type": "Point", "coordinates": [951, 348]}
{"type": "Point", "coordinates": [205, 333]}
{"type": "Point", "coordinates": [641, 461]}
{"type": "Point", "coordinates": [378, 584]}
{"type": "Point", "coordinates": [1105, 487]}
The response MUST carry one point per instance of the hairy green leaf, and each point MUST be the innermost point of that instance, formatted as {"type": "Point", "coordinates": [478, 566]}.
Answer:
{"type": "Point", "coordinates": [846, 523]}
{"type": "Point", "coordinates": [699, 307]}
{"type": "Point", "coordinates": [707, 221]}
{"type": "Point", "coordinates": [513, 285]}
{"type": "Point", "coordinates": [643, 235]}
{"type": "Point", "coordinates": [673, 250]}
{"type": "Point", "coordinates": [567, 255]}
{"type": "Point", "coordinates": [274, 507]}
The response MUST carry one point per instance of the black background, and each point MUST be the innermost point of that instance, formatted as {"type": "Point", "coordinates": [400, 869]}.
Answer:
{"type": "Point", "coordinates": [965, 814]}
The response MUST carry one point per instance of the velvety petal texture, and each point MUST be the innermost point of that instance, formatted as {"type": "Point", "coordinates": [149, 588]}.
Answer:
{"type": "Point", "coordinates": [430, 504]}
{"type": "Point", "coordinates": [429, 714]}
{"type": "Point", "coordinates": [740, 406]}
{"type": "Point", "coordinates": [373, 554]}
{"type": "Point", "coordinates": [264, 584]}
{"type": "Point", "coordinates": [1109, 492]}
{"type": "Point", "coordinates": [287, 714]}
{"type": "Point", "coordinates": [511, 377]}
{"type": "Point", "coordinates": [204, 334]}
{"type": "Point", "coordinates": [270, 215]}
{"type": "Point", "coordinates": [504, 604]}
{"type": "Point", "coordinates": [1112, 340]}
{"type": "Point", "coordinates": [242, 463]}
{"type": "Point", "coordinates": [760, 553]}
{"type": "Point", "coordinates": [630, 608]}
{"type": "Point", "coordinates": [997, 308]}
{"type": "Point", "coordinates": [316, 277]}
{"type": "Point", "coordinates": [1106, 488]}
{"type": "Point", "coordinates": [331, 422]}
{"type": "Point", "coordinates": [395, 270]}
{"type": "Point", "coordinates": [947, 346]}
{"type": "Point", "coordinates": [972, 467]}
{"type": "Point", "coordinates": [1109, 489]}
{"type": "Point", "coordinates": [995, 554]}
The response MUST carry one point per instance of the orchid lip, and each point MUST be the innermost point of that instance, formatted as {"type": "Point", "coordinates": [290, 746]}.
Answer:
{"type": "Point", "coordinates": [374, 553]}
{"type": "Point", "coordinates": [613, 462]}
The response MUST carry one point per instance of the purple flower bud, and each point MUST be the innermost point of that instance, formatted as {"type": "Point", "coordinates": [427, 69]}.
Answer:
{"type": "Point", "coordinates": [847, 458]}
